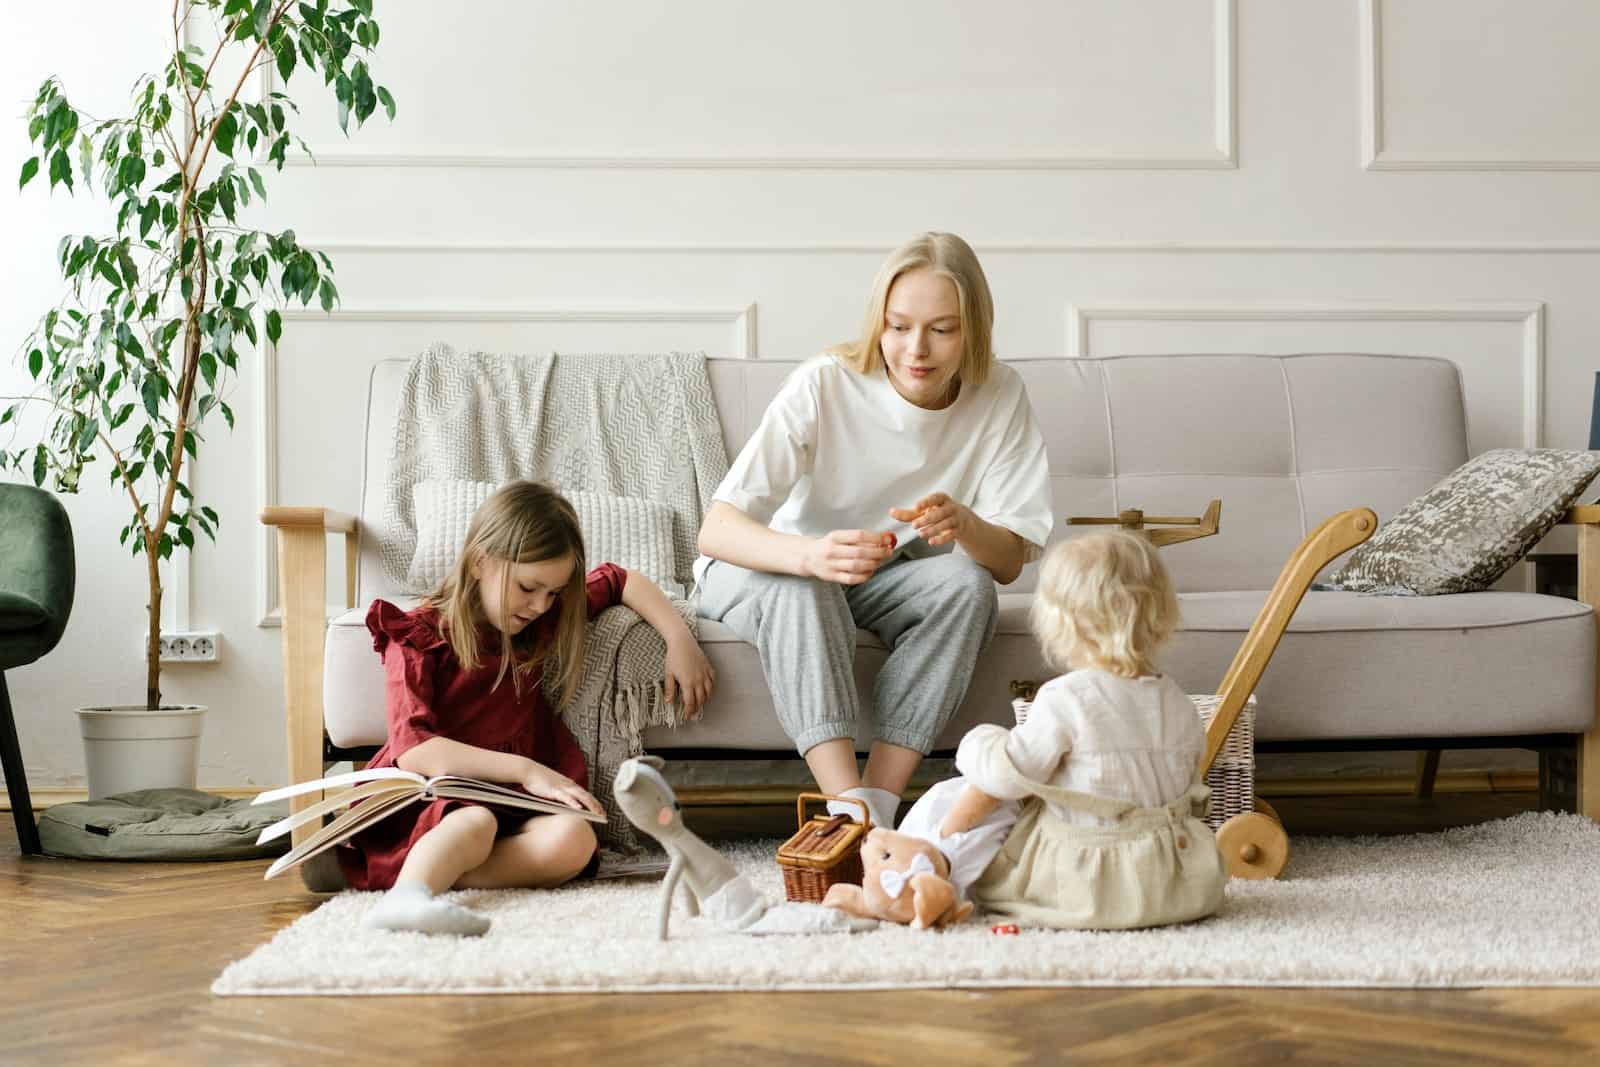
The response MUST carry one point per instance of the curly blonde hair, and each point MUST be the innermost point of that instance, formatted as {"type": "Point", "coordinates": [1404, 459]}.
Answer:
{"type": "Point", "coordinates": [1104, 600]}
{"type": "Point", "coordinates": [950, 257]}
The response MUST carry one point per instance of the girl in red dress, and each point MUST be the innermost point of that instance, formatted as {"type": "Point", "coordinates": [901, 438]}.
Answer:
{"type": "Point", "coordinates": [464, 695]}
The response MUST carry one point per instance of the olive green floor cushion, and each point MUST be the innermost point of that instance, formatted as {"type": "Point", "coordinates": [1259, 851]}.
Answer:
{"type": "Point", "coordinates": [160, 824]}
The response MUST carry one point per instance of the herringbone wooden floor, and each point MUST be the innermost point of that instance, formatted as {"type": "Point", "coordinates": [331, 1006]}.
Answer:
{"type": "Point", "coordinates": [110, 964]}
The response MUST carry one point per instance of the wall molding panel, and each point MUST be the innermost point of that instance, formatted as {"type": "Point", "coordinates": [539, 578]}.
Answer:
{"type": "Point", "coordinates": [1374, 156]}
{"type": "Point", "coordinates": [1224, 136]}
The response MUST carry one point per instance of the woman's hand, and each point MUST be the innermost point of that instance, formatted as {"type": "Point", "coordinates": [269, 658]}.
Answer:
{"type": "Point", "coordinates": [848, 557]}
{"type": "Point", "coordinates": [551, 784]}
{"type": "Point", "coordinates": [688, 673]}
{"type": "Point", "coordinates": [937, 518]}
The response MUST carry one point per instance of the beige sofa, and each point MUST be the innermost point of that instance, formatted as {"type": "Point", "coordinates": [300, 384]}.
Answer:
{"type": "Point", "coordinates": [1283, 441]}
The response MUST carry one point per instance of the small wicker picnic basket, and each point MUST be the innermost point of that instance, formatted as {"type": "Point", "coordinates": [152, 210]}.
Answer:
{"type": "Point", "coordinates": [824, 851]}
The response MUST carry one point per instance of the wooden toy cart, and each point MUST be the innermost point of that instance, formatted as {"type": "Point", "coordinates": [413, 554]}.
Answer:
{"type": "Point", "coordinates": [1252, 840]}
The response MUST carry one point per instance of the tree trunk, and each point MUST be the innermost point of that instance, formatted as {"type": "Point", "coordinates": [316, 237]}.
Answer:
{"type": "Point", "coordinates": [152, 684]}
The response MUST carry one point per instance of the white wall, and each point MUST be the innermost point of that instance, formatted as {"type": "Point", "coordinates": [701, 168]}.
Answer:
{"type": "Point", "coordinates": [1417, 176]}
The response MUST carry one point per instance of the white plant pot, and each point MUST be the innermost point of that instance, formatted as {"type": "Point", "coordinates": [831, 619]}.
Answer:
{"type": "Point", "coordinates": [129, 747]}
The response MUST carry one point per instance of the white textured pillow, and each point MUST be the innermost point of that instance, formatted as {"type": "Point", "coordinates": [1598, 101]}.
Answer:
{"type": "Point", "coordinates": [625, 530]}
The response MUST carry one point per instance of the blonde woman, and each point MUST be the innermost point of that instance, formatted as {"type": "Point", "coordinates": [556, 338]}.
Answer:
{"type": "Point", "coordinates": [892, 482]}
{"type": "Point", "coordinates": [1085, 815]}
{"type": "Point", "coordinates": [463, 695]}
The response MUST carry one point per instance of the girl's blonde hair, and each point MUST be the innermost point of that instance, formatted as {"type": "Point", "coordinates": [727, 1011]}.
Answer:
{"type": "Point", "coordinates": [523, 522]}
{"type": "Point", "coordinates": [950, 257]}
{"type": "Point", "coordinates": [1104, 600]}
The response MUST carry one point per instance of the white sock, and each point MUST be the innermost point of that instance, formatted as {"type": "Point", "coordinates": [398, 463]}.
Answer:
{"type": "Point", "coordinates": [411, 906]}
{"type": "Point", "coordinates": [881, 805]}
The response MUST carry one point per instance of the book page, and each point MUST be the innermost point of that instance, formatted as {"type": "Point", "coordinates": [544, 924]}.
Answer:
{"type": "Point", "coordinates": [456, 788]}
{"type": "Point", "coordinates": [345, 826]}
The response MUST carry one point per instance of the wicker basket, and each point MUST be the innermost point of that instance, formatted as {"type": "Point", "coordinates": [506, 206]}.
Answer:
{"type": "Point", "coordinates": [1232, 776]}
{"type": "Point", "coordinates": [824, 851]}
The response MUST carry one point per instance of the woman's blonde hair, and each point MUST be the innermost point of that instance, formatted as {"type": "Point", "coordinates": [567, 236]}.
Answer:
{"type": "Point", "coordinates": [950, 257]}
{"type": "Point", "coordinates": [1104, 600]}
{"type": "Point", "coordinates": [523, 522]}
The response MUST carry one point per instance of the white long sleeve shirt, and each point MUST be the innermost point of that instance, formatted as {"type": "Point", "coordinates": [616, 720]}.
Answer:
{"type": "Point", "coordinates": [1137, 740]}
{"type": "Point", "coordinates": [837, 449]}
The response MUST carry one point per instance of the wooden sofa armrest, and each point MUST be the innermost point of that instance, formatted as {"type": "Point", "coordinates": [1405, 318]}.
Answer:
{"type": "Point", "coordinates": [302, 596]}
{"type": "Point", "coordinates": [1586, 517]}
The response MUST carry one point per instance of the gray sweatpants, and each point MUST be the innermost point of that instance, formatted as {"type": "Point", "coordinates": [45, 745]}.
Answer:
{"type": "Point", "coordinates": [935, 614]}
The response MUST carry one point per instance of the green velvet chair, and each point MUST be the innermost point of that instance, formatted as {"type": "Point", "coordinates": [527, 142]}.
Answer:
{"type": "Point", "coordinates": [37, 575]}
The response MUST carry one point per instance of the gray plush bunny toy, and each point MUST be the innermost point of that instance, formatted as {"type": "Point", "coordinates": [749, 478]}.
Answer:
{"type": "Point", "coordinates": [712, 882]}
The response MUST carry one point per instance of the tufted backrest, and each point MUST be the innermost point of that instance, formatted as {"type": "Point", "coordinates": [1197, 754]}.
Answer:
{"type": "Point", "coordinates": [1284, 441]}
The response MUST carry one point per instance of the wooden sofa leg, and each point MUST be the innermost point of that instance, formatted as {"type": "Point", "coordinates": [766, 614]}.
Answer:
{"type": "Point", "coordinates": [1588, 761]}
{"type": "Point", "coordinates": [1427, 772]}
{"type": "Point", "coordinates": [1588, 754]}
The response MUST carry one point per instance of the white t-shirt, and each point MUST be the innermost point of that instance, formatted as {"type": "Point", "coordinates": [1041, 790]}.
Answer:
{"type": "Point", "coordinates": [837, 449]}
{"type": "Point", "coordinates": [1138, 740]}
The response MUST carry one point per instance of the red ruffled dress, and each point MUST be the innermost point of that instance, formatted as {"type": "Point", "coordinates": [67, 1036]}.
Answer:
{"type": "Point", "coordinates": [427, 694]}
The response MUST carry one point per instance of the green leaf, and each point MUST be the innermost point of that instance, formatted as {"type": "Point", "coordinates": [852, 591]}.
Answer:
{"type": "Point", "coordinates": [260, 186]}
{"type": "Point", "coordinates": [326, 290]}
{"type": "Point", "coordinates": [286, 60]}
{"type": "Point", "coordinates": [388, 102]}
{"type": "Point", "coordinates": [87, 437]}
{"type": "Point", "coordinates": [186, 537]}
{"type": "Point", "coordinates": [60, 169]}
{"type": "Point", "coordinates": [121, 416]}
{"type": "Point", "coordinates": [35, 362]}
{"type": "Point", "coordinates": [274, 328]}
{"type": "Point", "coordinates": [30, 167]}
{"type": "Point", "coordinates": [152, 393]}
{"type": "Point", "coordinates": [227, 130]}
{"type": "Point", "coordinates": [227, 416]}
{"type": "Point", "coordinates": [148, 215]}
{"type": "Point", "coordinates": [103, 267]}
{"type": "Point", "coordinates": [41, 465]}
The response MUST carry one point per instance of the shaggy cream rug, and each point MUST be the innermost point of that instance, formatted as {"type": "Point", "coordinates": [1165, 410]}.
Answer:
{"type": "Point", "coordinates": [1506, 903]}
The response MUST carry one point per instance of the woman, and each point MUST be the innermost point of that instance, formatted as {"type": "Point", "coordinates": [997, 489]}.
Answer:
{"type": "Point", "coordinates": [875, 462]}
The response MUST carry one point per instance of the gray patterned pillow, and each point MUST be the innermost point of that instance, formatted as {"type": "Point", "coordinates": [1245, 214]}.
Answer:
{"type": "Point", "coordinates": [1468, 530]}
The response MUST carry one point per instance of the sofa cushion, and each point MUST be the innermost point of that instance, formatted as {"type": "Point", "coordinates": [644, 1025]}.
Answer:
{"type": "Point", "coordinates": [624, 530]}
{"type": "Point", "coordinates": [1350, 666]}
{"type": "Point", "coordinates": [1468, 530]}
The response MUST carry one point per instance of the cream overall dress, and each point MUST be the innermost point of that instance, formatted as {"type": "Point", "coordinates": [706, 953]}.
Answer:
{"type": "Point", "coordinates": [1151, 867]}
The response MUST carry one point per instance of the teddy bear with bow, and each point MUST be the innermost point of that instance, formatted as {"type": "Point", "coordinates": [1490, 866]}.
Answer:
{"type": "Point", "coordinates": [905, 880]}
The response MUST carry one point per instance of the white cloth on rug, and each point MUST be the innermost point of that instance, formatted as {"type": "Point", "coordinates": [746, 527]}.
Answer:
{"type": "Point", "coordinates": [970, 851]}
{"type": "Point", "coordinates": [740, 907]}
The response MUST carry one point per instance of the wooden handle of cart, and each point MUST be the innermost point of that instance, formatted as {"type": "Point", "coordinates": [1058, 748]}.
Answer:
{"type": "Point", "coordinates": [1326, 543]}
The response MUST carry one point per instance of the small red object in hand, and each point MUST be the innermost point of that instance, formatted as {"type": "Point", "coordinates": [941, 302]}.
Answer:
{"type": "Point", "coordinates": [1009, 929]}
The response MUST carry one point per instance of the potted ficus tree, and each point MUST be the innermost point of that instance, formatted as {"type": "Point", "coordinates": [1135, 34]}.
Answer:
{"type": "Point", "coordinates": [131, 365]}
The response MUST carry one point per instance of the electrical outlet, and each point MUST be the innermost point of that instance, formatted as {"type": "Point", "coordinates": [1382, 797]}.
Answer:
{"type": "Point", "coordinates": [190, 646]}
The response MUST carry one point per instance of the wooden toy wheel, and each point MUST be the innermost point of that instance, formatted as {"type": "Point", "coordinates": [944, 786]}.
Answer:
{"type": "Point", "coordinates": [1253, 846]}
{"type": "Point", "coordinates": [1268, 810]}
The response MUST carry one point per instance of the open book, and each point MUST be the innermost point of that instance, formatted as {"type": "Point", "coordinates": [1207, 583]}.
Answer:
{"type": "Point", "coordinates": [379, 792]}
